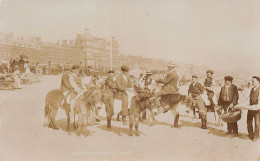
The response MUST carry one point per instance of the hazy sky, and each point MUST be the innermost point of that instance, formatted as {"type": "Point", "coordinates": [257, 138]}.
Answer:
{"type": "Point", "coordinates": [215, 33]}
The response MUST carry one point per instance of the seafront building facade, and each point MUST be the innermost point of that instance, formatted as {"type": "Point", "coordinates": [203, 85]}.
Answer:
{"type": "Point", "coordinates": [86, 49]}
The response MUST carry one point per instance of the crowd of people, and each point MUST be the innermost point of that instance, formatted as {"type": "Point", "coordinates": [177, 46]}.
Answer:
{"type": "Point", "coordinates": [15, 67]}
{"type": "Point", "coordinates": [204, 96]}
{"type": "Point", "coordinates": [77, 79]}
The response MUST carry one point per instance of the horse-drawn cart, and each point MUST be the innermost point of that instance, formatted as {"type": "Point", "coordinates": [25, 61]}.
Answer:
{"type": "Point", "coordinates": [7, 82]}
{"type": "Point", "coordinates": [28, 78]}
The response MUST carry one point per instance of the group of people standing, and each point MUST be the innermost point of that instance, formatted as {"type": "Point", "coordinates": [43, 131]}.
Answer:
{"type": "Point", "coordinates": [228, 98]}
{"type": "Point", "coordinates": [15, 67]}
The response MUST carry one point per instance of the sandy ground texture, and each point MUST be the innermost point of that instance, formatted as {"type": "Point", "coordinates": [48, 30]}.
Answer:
{"type": "Point", "coordinates": [23, 136]}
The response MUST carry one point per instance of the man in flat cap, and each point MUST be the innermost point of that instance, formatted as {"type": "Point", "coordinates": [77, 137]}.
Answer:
{"type": "Point", "coordinates": [254, 114]}
{"type": "Point", "coordinates": [110, 84]}
{"type": "Point", "coordinates": [228, 98]}
{"type": "Point", "coordinates": [122, 83]}
{"type": "Point", "coordinates": [195, 91]}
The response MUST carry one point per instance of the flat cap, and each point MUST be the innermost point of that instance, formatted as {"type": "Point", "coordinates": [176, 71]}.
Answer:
{"type": "Point", "coordinates": [228, 78]}
{"type": "Point", "coordinates": [75, 67]}
{"type": "Point", "coordinates": [124, 68]}
{"type": "Point", "coordinates": [210, 71]}
{"type": "Point", "coordinates": [194, 76]}
{"type": "Point", "coordinates": [111, 71]}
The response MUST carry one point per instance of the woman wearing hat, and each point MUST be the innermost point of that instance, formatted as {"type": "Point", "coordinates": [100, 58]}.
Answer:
{"type": "Point", "coordinates": [17, 80]}
{"type": "Point", "coordinates": [254, 114]}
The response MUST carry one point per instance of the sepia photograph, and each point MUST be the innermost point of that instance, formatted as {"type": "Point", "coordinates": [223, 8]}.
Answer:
{"type": "Point", "coordinates": [129, 80]}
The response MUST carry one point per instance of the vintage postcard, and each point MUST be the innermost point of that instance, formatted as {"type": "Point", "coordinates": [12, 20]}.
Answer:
{"type": "Point", "coordinates": [129, 80]}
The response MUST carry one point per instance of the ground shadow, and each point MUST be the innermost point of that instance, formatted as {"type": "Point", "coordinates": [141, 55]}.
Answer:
{"type": "Point", "coordinates": [117, 130]}
{"type": "Point", "coordinates": [212, 130]}
{"type": "Point", "coordinates": [62, 125]}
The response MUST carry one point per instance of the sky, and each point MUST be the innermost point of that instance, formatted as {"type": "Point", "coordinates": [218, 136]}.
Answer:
{"type": "Point", "coordinates": [222, 34]}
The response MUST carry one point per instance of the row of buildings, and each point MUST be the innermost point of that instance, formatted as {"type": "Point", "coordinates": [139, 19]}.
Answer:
{"type": "Point", "coordinates": [85, 49]}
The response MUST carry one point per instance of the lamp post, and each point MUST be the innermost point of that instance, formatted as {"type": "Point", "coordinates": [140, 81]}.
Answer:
{"type": "Point", "coordinates": [111, 57]}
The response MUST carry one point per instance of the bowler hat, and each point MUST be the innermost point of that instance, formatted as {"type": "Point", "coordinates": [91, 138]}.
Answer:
{"type": "Point", "coordinates": [124, 68]}
{"type": "Point", "coordinates": [149, 72]}
{"type": "Point", "coordinates": [75, 67]}
{"type": "Point", "coordinates": [228, 78]}
{"type": "Point", "coordinates": [257, 78]}
{"type": "Point", "coordinates": [171, 64]}
{"type": "Point", "coordinates": [210, 71]}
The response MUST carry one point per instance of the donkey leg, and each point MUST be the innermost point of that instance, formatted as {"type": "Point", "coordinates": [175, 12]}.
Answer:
{"type": "Point", "coordinates": [53, 116]}
{"type": "Point", "coordinates": [74, 122]}
{"type": "Point", "coordinates": [150, 117]}
{"type": "Point", "coordinates": [131, 124]}
{"type": "Point", "coordinates": [175, 115]}
{"type": "Point", "coordinates": [136, 120]}
{"type": "Point", "coordinates": [68, 119]}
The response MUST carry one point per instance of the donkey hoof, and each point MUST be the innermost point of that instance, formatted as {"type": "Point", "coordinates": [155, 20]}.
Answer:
{"type": "Point", "coordinates": [137, 133]}
{"type": "Point", "coordinates": [174, 126]}
{"type": "Point", "coordinates": [151, 124]}
{"type": "Point", "coordinates": [55, 128]}
{"type": "Point", "coordinates": [130, 133]}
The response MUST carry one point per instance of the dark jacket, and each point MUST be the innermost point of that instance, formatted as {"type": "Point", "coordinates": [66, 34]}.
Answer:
{"type": "Point", "coordinates": [170, 83]}
{"type": "Point", "coordinates": [196, 89]}
{"type": "Point", "coordinates": [254, 94]}
{"type": "Point", "coordinates": [122, 84]}
{"type": "Point", "coordinates": [110, 84]}
{"type": "Point", "coordinates": [65, 83]}
{"type": "Point", "coordinates": [233, 95]}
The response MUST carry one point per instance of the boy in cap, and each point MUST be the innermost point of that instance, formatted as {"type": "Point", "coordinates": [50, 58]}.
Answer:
{"type": "Point", "coordinates": [228, 98]}
{"type": "Point", "coordinates": [122, 83]}
{"type": "Point", "coordinates": [254, 114]}
{"type": "Point", "coordinates": [195, 91]}
{"type": "Point", "coordinates": [71, 85]}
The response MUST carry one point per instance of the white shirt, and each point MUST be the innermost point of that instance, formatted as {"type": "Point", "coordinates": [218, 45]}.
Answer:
{"type": "Point", "coordinates": [125, 77]}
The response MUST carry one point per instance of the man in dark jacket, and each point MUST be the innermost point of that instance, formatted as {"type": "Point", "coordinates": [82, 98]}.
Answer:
{"type": "Point", "coordinates": [228, 98]}
{"type": "Point", "coordinates": [254, 114]}
{"type": "Point", "coordinates": [123, 83]}
{"type": "Point", "coordinates": [170, 82]}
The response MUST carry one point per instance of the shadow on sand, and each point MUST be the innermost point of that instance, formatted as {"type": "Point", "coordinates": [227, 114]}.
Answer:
{"type": "Point", "coordinates": [62, 125]}
{"type": "Point", "coordinates": [212, 130]}
{"type": "Point", "coordinates": [118, 130]}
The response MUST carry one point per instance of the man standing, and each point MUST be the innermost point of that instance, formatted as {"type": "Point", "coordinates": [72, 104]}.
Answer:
{"type": "Point", "coordinates": [122, 83]}
{"type": "Point", "coordinates": [195, 91]}
{"type": "Point", "coordinates": [228, 98]}
{"type": "Point", "coordinates": [109, 97]}
{"type": "Point", "coordinates": [254, 114]}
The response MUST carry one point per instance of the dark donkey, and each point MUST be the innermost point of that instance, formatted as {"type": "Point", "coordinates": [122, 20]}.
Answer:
{"type": "Point", "coordinates": [173, 100]}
